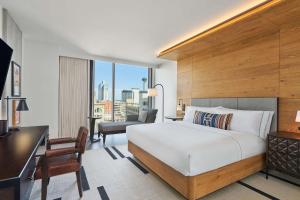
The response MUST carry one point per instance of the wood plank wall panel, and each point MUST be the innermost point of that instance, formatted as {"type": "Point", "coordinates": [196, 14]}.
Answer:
{"type": "Point", "coordinates": [290, 62]}
{"type": "Point", "coordinates": [245, 72]}
{"type": "Point", "coordinates": [258, 56]}
{"type": "Point", "coordinates": [289, 76]}
{"type": "Point", "coordinates": [184, 76]}
{"type": "Point", "coordinates": [184, 82]}
{"type": "Point", "coordinates": [266, 66]}
{"type": "Point", "coordinates": [287, 114]}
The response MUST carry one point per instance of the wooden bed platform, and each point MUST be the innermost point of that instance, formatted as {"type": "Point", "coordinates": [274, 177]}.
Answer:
{"type": "Point", "coordinates": [194, 187]}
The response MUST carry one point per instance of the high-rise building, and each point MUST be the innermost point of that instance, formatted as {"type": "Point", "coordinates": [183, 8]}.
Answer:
{"type": "Point", "coordinates": [119, 111]}
{"type": "Point", "coordinates": [103, 110]}
{"type": "Point", "coordinates": [144, 80]}
{"type": "Point", "coordinates": [127, 96]}
{"type": "Point", "coordinates": [103, 91]}
{"type": "Point", "coordinates": [136, 95]}
{"type": "Point", "coordinates": [100, 93]}
{"type": "Point", "coordinates": [143, 99]}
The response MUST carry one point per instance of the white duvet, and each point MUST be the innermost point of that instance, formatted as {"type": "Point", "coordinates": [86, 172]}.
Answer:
{"type": "Point", "coordinates": [194, 149]}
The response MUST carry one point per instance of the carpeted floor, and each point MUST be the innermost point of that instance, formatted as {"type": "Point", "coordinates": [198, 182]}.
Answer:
{"type": "Point", "coordinates": [112, 173]}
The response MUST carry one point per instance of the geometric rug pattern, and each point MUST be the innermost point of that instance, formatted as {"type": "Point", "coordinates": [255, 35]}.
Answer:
{"type": "Point", "coordinates": [113, 174]}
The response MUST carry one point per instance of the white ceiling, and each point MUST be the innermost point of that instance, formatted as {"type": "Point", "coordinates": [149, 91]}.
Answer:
{"type": "Point", "coordinates": [127, 29]}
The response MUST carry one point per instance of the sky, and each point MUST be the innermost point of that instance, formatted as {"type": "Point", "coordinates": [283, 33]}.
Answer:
{"type": "Point", "coordinates": [127, 77]}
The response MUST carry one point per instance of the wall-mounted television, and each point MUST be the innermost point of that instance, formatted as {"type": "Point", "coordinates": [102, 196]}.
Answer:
{"type": "Point", "coordinates": [5, 57]}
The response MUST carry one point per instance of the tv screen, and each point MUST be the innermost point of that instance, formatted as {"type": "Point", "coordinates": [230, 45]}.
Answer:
{"type": "Point", "coordinates": [5, 56]}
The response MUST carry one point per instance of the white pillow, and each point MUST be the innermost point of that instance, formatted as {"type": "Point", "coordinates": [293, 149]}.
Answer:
{"type": "Point", "coordinates": [142, 116]}
{"type": "Point", "coordinates": [266, 131]}
{"type": "Point", "coordinates": [190, 112]}
{"type": "Point", "coordinates": [266, 122]}
{"type": "Point", "coordinates": [244, 121]}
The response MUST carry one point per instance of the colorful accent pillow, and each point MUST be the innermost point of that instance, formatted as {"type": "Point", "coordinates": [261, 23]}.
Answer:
{"type": "Point", "coordinates": [221, 121]}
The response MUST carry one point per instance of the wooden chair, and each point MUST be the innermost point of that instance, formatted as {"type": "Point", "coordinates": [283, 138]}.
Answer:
{"type": "Point", "coordinates": [61, 161]}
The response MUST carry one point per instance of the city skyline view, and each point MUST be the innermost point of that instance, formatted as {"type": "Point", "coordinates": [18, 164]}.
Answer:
{"type": "Point", "coordinates": [127, 77]}
{"type": "Point", "coordinates": [131, 84]}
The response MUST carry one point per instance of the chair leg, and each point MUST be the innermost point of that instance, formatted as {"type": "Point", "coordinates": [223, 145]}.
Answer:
{"type": "Point", "coordinates": [104, 138]}
{"type": "Point", "coordinates": [78, 177]}
{"type": "Point", "coordinates": [44, 188]}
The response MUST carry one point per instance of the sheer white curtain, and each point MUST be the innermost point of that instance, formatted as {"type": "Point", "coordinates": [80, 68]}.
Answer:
{"type": "Point", "coordinates": [73, 95]}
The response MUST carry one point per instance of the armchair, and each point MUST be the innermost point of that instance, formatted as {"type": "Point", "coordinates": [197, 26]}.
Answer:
{"type": "Point", "coordinates": [61, 161]}
{"type": "Point", "coordinates": [109, 128]}
{"type": "Point", "coordinates": [132, 118]}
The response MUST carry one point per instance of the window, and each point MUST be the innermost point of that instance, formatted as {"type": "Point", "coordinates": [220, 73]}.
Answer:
{"type": "Point", "coordinates": [120, 90]}
{"type": "Point", "coordinates": [103, 80]}
{"type": "Point", "coordinates": [131, 85]}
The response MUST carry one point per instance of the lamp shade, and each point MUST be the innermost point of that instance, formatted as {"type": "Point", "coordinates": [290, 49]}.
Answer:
{"type": "Point", "coordinates": [22, 106]}
{"type": "Point", "coordinates": [152, 92]}
{"type": "Point", "coordinates": [298, 116]}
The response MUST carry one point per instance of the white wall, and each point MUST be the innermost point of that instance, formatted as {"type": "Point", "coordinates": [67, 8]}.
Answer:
{"type": "Point", "coordinates": [40, 85]}
{"type": "Point", "coordinates": [1, 32]}
{"type": "Point", "coordinates": [166, 74]}
{"type": "Point", "coordinates": [12, 35]}
{"type": "Point", "coordinates": [41, 80]}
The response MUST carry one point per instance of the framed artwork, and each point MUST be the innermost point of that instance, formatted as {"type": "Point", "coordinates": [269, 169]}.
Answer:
{"type": "Point", "coordinates": [16, 80]}
{"type": "Point", "coordinates": [16, 117]}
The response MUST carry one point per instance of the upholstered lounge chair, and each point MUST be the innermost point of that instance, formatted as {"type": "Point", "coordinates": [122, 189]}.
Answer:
{"type": "Point", "coordinates": [109, 128]}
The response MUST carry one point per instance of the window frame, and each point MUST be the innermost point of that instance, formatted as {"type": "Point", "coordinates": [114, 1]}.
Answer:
{"type": "Point", "coordinates": [92, 89]}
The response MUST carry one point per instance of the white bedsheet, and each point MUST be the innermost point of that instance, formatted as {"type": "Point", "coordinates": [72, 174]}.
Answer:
{"type": "Point", "coordinates": [194, 149]}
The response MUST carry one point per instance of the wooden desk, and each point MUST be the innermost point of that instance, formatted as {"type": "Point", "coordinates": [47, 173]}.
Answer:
{"type": "Point", "coordinates": [17, 161]}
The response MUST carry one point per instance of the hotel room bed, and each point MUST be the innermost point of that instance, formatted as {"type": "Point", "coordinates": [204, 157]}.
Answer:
{"type": "Point", "coordinates": [185, 146]}
{"type": "Point", "coordinates": [197, 160]}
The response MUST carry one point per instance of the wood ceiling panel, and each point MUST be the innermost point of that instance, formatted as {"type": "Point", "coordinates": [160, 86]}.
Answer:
{"type": "Point", "coordinates": [262, 20]}
{"type": "Point", "coordinates": [256, 57]}
{"type": "Point", "coordinates": [287, 11]}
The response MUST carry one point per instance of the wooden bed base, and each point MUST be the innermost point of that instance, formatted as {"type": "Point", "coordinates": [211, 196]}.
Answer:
{"type": "Point", "coordinates": [194, 187]}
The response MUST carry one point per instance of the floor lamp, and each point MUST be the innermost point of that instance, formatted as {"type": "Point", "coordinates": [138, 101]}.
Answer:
{"type": "Point", "coordinates": [152, 92]}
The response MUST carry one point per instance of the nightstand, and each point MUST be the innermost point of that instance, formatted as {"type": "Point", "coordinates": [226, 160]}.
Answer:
{"type": "Point", "coordinates": [283, 153]}
{"type": "Point", "coordinates": [175, 118]}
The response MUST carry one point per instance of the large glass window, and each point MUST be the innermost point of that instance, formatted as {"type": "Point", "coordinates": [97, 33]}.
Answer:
{"type": "Point", "coordinates": [120, 90]}
{"type": "Point", "coordinates": [131, 85]}
{"type": "Point", "coordinates": [103, 84]}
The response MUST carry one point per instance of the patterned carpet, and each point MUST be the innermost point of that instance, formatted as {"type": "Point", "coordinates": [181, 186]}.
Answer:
{"type": "Point", "coordinates": [112, 173]}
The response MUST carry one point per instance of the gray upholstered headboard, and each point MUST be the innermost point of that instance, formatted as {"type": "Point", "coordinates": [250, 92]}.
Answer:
{"type": "Point", "coordinates": [241, 103]}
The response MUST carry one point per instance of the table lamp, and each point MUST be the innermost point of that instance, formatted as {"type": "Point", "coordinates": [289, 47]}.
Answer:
{"type": "Point", "coordinates": [298, 118]}
{"type": "Point", "coordinates": [181, 105]}
{"type": "Point", "coordinates": [22, 106]}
